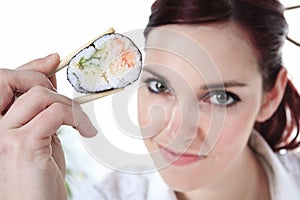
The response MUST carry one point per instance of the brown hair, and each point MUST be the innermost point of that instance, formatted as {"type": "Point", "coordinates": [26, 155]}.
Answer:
{"type": "Point", "coordinates": [266, 27]}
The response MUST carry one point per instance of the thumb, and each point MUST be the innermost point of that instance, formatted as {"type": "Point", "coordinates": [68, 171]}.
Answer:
{"type": "Point", "coordinates": [46, 65]}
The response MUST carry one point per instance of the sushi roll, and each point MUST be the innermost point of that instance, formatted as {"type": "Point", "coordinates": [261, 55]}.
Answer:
{"type": "Point", "coordinates": [110, 62]}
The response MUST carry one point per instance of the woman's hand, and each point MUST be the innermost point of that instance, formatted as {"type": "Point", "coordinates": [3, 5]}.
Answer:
{"type": "Point", "coordinates": [32, 164]}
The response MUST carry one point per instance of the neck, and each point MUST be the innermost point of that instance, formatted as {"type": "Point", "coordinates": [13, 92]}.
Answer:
{"type": "Point", "coordinates": [247, 180]}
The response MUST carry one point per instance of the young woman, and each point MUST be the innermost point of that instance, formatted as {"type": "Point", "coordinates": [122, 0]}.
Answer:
{"type": "Point", "coordinates": [215, 70]}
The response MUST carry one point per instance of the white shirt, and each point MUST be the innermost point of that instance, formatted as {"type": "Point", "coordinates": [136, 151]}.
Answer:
{"type": "Point", "coordinates": [283, 172]}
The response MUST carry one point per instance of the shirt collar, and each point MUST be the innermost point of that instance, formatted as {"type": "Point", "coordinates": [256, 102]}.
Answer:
{"type": "Point", "coordinates": [282, 183]}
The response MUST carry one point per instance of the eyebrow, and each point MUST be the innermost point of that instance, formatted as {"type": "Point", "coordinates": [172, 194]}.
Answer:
{"type": "Point", "coordinates": [225, 84]}
{"type": "Point", "coordinates": [160, 77]}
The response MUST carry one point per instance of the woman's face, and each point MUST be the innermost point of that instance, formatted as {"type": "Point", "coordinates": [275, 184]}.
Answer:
{"type": "Point", "coordinates": [200, 95]}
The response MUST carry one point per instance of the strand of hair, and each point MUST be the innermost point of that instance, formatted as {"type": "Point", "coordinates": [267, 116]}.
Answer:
{"type": "Point", "coordinates": [293, 41]}
{"type": "Point", "coordinates": [292, 7]}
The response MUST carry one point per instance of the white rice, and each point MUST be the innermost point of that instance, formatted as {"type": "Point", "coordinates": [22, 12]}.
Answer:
{"type": "Point", "coordinates": [116, 63]}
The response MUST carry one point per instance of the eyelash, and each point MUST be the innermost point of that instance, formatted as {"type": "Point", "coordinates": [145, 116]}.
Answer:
{"type": "Point", "coordinates": [231, 99]}
{"type": "Point", "coordinates": [152, 83]}
{"type": "Point", "coordinates": [208, 98]}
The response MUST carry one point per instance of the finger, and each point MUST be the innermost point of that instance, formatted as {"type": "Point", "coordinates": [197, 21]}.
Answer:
{"type": "Point", "coordinates": [30, 104]}
{"type": "Point", "coordinates": [14, 80]}
{"type": "Point", "coordinates": [8, 106]}
{"type": "Point", "coordinates": [49, 120]}
{"type": "Point", "coordinates": [53, 81]}
{"type": "Point", "coordinates": [58, 154]}
{"type": "Point", "coordinates": [45, 65]}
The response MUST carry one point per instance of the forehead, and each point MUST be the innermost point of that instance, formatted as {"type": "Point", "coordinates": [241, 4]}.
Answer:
{"type": "Point", "coordinates": [212, 50]}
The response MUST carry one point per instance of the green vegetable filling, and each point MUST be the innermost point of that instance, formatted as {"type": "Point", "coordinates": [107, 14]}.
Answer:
{"type": "Point", "coordinates": [94, 61]}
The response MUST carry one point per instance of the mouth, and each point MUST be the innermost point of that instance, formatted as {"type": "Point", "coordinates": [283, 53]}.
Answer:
{"type": "Point", "coordinates": [179, 159]}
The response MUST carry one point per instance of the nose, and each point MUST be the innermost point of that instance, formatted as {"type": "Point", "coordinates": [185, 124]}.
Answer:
{"type": "Point", "coordinates": [183, 122]}
{"type": "Point", "coordinates": [174, 121]}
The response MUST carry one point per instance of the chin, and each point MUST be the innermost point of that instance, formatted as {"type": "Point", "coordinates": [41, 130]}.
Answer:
{"type": "Point", "coordinates": [178, 182]}
{"type": "Point", "coordinates": [183, 178]}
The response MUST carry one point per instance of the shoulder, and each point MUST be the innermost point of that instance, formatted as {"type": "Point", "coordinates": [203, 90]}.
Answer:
{"type": "Point", "coordinates": [126, 186]}
{"type": "Point", "coordinates": [283, 170]}
{"type": "Point", "coordinates": [291, 162]}
{"type": "Point", "coordinates": [117, 186]}
{"type": "Point", "coordinates": [288, 160]}
{"type": "Point", "coordinates": [288, 176]}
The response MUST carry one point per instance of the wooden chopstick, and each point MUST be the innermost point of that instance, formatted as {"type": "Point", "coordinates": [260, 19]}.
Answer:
{"type": "Point", "coordinates": [91, 97]}
{"type": "Point", "coordinates": [63, 63]}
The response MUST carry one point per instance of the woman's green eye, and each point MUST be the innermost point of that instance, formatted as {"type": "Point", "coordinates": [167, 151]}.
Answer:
{"type": "Point", "coordinates": [222, 98]}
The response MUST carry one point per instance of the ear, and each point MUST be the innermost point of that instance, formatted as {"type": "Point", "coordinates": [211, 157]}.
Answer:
{"type": "Point", "coordinates": [273, 97]}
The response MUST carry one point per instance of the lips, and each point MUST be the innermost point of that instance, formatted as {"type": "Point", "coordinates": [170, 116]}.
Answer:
{"type": "Point", "coordinates": [179, 159]}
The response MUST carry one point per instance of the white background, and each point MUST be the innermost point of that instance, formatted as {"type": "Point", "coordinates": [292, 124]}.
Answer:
{"type": "Point", "coordinates": [34, 28]}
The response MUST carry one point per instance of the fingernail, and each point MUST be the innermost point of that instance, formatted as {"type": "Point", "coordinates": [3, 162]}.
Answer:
{"type": "Point", "coordinates": [91, 132]}
{"type": "Point", "coordinates": [94, 132]}
{"type": "Point", "coordinates": [51, 55]}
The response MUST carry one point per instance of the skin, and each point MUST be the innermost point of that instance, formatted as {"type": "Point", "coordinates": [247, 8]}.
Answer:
{"type": "Point", "coordinates": [171, 84]}
{"type": "Point", "coordinates": [32, 161]}
{"type": "Point", "coordinates": [31, 157]}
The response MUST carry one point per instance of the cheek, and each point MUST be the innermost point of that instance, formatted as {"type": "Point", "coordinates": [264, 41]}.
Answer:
{"type": "Point", "coordinates": [237, 128]}
{"type": "Point", "coordinates": [144, 108]}
{"type": "Point", "coordinates": [151, 114]}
